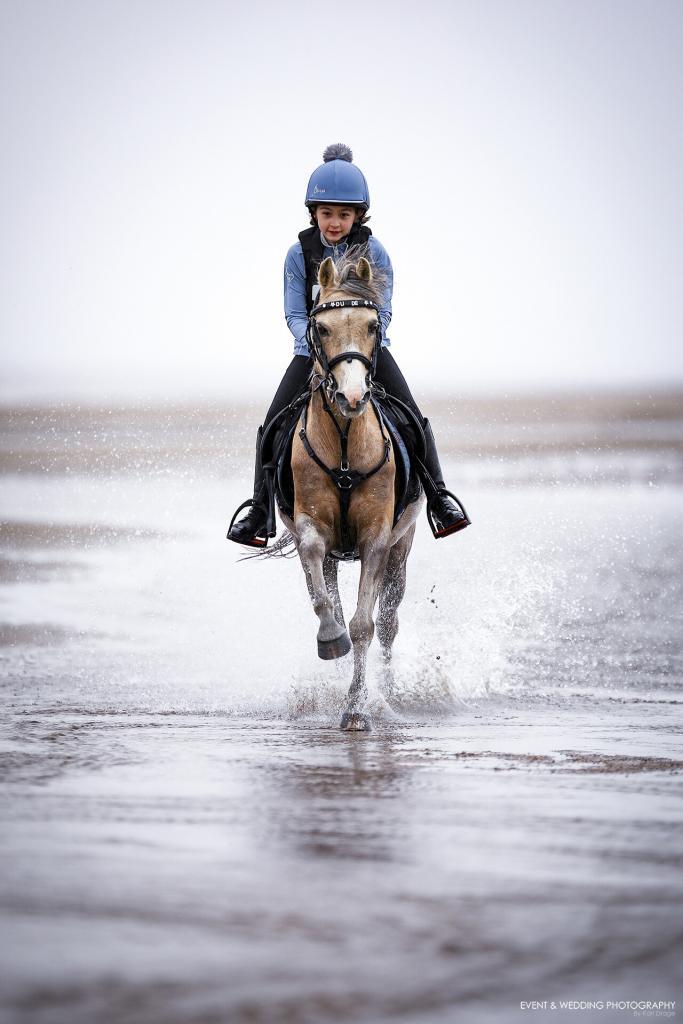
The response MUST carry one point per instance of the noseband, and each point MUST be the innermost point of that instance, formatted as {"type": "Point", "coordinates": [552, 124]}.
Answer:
{"type": "Point", "coordinates": [315, 343]}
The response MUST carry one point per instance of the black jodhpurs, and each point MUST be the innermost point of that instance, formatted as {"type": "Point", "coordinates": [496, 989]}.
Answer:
{"type": "Point", "coordinates": [389, 375]}
{"type": "Point", "coordinates": [292, 384]}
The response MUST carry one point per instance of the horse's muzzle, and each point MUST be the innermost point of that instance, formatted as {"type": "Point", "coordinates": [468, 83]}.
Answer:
{"type": "Point", "coordinates": [349, 411]}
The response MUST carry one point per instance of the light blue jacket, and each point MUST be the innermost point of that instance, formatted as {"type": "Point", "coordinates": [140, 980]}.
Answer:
{"type": "Point", "coordinates": [295, 289]}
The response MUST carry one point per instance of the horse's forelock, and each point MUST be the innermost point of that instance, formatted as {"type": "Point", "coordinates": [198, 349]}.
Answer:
{"type": "Point", "coordinates": [349, 283]}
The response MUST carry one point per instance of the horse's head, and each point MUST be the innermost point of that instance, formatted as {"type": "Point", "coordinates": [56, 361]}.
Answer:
{"type": "Point", "coordinates": [346, 336]}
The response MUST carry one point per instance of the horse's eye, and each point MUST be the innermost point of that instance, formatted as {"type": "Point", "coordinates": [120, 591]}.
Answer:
{"type": "Point", "coordinates": [372, 328]}
{"type": "Point", "coordinates": [322, 330]}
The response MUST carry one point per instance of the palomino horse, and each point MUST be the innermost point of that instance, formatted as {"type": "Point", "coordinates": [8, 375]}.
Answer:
{"type": "Point", "coordinates": [350, 508]}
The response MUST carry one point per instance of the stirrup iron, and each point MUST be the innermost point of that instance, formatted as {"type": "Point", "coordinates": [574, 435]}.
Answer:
{"type": "Point", "coordinates": [257, 541]}
{"type": "Point", "coordinates": [456, 526]}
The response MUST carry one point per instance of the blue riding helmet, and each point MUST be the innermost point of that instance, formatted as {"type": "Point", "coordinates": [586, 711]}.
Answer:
{"type": "Point", "coordinates": [338, 180]}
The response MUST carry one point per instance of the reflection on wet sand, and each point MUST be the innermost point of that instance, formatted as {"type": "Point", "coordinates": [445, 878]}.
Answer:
{"type": "Point", "coordinates": [345, 788]}
{"type": "Point", "coordinates": [35, 535]}
{"type": "Point", "coordinates": [19, 570]}
{"type": "Point", "coordinates": [290, 872]}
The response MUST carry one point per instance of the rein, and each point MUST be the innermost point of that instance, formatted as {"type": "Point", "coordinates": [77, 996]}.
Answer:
{"type": "Point", "coordinates": [345, 478]}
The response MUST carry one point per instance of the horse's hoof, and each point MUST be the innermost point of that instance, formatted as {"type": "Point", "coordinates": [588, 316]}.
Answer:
{"type": "Point", "coordinates": [337, 648]}
{"type": "Point", "coordinates": [354, 721]}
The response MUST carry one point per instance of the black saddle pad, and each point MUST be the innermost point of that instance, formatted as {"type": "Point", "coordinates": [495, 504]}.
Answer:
{"type": "Point", "coordinates": [407, 487]}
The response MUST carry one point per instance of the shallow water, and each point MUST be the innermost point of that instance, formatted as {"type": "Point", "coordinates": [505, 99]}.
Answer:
{"type": "Point", "coordinates": [186, 835]}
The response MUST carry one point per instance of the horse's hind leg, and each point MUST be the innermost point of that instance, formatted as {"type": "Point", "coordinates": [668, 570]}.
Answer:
{"type": "Point", "coordinates": [333, 640]}
{"type": "Point", "coordinates": [390, 596]}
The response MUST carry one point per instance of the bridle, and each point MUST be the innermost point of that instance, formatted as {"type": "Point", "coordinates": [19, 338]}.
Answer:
{"type": "Point", "coordinates": [316, 346]}
{"type": "Point", "coordinates": [345, 478]}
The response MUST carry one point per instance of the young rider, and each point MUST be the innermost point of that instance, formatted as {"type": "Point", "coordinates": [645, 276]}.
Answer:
{"type": "Point", "coordinates": [337, 198]}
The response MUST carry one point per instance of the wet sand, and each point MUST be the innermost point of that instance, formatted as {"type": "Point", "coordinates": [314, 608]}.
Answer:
{"type": "Point", "coordinates": [187, 837]}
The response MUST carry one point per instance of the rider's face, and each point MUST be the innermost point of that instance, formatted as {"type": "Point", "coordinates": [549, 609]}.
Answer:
{"type": "Point", "coordinates": [335, 222]}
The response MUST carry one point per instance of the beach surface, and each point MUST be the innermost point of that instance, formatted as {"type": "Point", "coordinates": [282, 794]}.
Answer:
{"type": "Point", "coordinates": [186, 837]}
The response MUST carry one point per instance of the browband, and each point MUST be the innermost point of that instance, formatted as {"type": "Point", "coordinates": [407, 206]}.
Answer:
{"type": "Point", "coordinates": [343, 303]}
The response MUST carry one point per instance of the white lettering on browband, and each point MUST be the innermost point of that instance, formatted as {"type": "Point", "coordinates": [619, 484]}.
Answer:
{"type": "Point", "coordinates": [336, 303]}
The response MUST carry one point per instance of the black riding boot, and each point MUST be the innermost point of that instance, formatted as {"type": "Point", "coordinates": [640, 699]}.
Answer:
{"type": "Point", "coordinates": [445, 513]}
{"type": "Point", "coordinates": [251, 529]}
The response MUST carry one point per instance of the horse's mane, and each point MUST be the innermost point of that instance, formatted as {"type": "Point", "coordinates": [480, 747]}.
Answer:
{"type": "Point", "coordinates": [345, 267]}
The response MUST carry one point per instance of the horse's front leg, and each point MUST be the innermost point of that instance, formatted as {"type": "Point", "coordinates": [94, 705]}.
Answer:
{"type": "Point", "coordinates": [373, 555]}
{"type": "Point", "coordinates": [330, 575]}
{"type": "Point", "coordinates": [333, 640]}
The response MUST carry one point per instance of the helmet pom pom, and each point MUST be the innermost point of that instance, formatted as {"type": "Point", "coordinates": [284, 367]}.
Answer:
{"type": "Point", "coordinates": [338, 151]}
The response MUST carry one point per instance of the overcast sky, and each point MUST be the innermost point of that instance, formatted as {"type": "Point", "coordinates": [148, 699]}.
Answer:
{"type": "Point", "coordinates": [524, 159]}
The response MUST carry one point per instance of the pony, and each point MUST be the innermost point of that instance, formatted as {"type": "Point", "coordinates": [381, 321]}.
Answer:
{"type": "Point", "coordinates": [348, 512]}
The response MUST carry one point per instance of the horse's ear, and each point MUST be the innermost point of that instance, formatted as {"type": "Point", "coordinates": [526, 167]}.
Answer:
{"type": "Point", "coordinates": [327, 274]}
{"type": "Point", "coordinates": [363, 269]}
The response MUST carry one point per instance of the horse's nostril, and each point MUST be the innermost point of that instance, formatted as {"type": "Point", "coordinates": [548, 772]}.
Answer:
{"type": "Point", "coordinates": [354, 403]}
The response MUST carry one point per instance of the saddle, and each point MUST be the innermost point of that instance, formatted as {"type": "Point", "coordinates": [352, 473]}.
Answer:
{"type": "Point", "coordinates": [407, 439]}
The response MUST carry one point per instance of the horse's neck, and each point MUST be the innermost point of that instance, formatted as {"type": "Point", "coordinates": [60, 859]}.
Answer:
{"type": "Point", "coordinates": [365, 440]}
